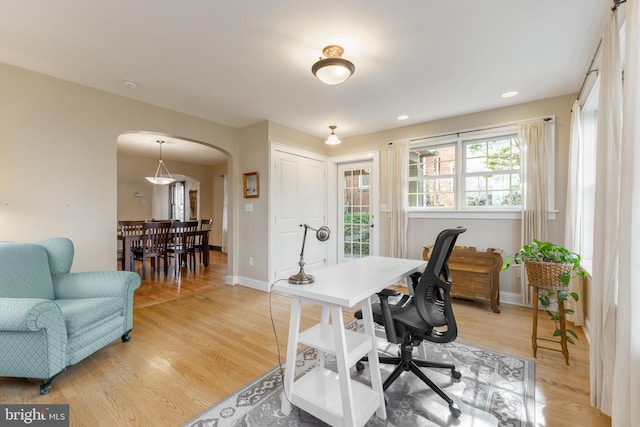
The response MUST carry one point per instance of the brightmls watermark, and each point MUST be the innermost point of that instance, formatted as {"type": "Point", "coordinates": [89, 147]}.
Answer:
{"type": "Point", "coordinates": [34, 415]}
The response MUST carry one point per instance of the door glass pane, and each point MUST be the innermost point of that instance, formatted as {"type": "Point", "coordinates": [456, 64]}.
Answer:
{"type": "Point", "coordinates": [356, 214]}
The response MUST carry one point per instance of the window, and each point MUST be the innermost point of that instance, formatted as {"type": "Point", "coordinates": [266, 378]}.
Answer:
{"type": "Point", "coordinates": [432, 176]}
{"type": "Point", "coordinates": [474, 171]}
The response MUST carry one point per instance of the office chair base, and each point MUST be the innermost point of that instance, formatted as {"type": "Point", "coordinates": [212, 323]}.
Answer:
{"type": "Point", "coordinates": [414, 366]}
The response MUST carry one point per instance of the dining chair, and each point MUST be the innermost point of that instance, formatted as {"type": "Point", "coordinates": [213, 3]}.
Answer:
{"type": "Point", "coordinates": [154, 245]}
{"type": "Point", "coordinates": [182, 245]}
{"type": "Point", "coordinates": [129, 228]}
{"type": "Point", "coordinates": [200, 242]}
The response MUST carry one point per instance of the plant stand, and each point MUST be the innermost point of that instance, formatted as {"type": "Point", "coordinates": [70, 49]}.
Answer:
{"type": "Point", "coordinates": [563, 327]}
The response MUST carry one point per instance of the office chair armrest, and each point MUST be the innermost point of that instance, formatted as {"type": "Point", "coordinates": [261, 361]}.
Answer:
{"type": "Point", "coordinates": [415, 278]}
{"type": "Point", "coordinates": [388, 293]}
{"type": "Point", "coordinates": [389, 326]}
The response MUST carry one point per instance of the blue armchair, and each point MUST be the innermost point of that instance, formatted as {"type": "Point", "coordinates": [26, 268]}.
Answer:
{"type": "Point", "coordinates": [51, 318]}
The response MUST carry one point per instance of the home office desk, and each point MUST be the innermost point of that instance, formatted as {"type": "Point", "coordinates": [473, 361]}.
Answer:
{"type": "Point", "coordinates": [329, 396]}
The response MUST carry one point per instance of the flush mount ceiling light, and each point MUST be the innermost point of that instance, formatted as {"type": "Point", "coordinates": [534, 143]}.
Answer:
{"type": "Point", "coordinates": [333, 69]}
{"type": "Point", "coordinates": [510, 94]}
{"type": "Point", "coordinates": [159, 178]}
{"type": "Point", "coordinates": [333, 139]}
{"type": "Point", "coordinates": [130, 84]}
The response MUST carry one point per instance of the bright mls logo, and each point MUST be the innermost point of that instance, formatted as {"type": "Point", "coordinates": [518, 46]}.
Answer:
{"type": "Point", "coordinates": [34, 415]}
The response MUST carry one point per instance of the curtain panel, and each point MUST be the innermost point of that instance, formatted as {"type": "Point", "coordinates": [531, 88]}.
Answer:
{"type": "Point", "coordinates": [399, 198]}
{"type": "Point", "coordinates": [626, 380]}
{"type": "Point", "coordinates": [604, 289]}
{"type": "Point", "coordinates": [533, 146]}
{"type": "Point", "coordinates": [574, 222]}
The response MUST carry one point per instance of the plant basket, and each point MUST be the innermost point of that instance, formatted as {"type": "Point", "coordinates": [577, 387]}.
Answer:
{"type": "Point", "coordinates": [546, 275]}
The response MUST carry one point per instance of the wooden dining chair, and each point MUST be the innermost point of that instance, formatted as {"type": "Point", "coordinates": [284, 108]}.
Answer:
{"type": "Point", "coordinates": [154, 246]}
{"type": "Point", "coordinates": [201, 242]}
{"type": "Point", "coordinates": [182, 245]}
{"type": "Point", "coordinates": [129, 228]}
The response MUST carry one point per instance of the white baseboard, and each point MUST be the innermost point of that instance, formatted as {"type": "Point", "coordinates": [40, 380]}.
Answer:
{"type": "Point", "coordinates": [511, 298]}
{"type": "Point", "coordinates": [260, 285]}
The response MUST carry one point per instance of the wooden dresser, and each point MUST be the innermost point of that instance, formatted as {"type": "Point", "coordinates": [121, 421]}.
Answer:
{"type": "Point", "coordinates": [474, 275]}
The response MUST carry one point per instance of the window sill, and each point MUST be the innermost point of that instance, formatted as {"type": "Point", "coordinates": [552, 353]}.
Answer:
{"type": "Point", "coordinates": [469, 214]}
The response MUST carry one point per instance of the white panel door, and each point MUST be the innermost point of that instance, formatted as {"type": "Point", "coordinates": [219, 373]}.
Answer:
{"type": "Point", "coordinates": [299, 194]}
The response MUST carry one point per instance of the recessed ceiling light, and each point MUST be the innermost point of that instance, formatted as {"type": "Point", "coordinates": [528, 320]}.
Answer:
{"type": "Point", "coordinates": [510, 94]}
{"type": "Point", "coordinates": [130, 84]}
{"type": "Point", "coordinates": [403, 117]}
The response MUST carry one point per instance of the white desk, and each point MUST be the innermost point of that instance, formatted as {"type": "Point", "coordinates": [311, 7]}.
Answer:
{"type": "Point", "coordinates": [335, 398]}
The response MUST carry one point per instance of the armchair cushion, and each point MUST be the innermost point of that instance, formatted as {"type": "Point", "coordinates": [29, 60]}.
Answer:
{"type": "Point", "coordinates": [25, 272]}
{"type": "Point", "coordinates": [82, 314]}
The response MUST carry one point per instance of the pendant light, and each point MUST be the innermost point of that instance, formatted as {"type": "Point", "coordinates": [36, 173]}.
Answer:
{"type": "Point", "coordinates": [160, 178]}
{"type": "Point", "coordinates": [333, 138]}
{"type": "Point", "coordinates": [333, 69]}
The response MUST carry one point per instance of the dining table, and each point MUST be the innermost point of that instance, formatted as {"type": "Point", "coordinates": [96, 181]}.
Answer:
{"type": "Point", "coordinates": [129, 241]}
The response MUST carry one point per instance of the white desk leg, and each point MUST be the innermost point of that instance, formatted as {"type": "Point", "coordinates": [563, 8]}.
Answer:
{"type": "Point", "coordinates": [292, 349]}
{"type": "Point", "coordinates": [374, 365]}
{"type": "Point", "coordinates": [321, 356]}
{"type": "Point", "coordinates": [346, 391]}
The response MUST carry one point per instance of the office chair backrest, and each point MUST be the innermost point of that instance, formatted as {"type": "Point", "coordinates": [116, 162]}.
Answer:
{"type": "Point", "coordinates": [432, 294]}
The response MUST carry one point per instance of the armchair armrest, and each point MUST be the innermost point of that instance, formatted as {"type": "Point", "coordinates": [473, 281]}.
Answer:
{"type": "Point", "coordinates": [96, 284]}
{"type": "Point", "coordinates": [30, 314]}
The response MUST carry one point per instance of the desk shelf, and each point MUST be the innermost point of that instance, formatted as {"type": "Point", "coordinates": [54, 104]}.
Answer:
{"type": "Point", "coordinates": [318, 393]}
{"type": "Point", "coordinates": [333, 396]}
{"type": "Point", "coordinates": [321, 337]}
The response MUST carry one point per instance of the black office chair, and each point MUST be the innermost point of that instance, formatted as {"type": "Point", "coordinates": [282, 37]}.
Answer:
{"type": "Point", "coordinates": [425, 315]}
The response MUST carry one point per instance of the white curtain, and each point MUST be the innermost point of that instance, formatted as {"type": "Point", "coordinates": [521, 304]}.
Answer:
{"type": "Point", "coordinates": [626, 380]}
{"type": "Point", "coordinates": [533, 147]}
{"type": "Point", "coordinates": [574, 221]}
{"type": "Point", "coordinates": [604, 289]}
{"type": "Point", "coordinates": [399, 198]}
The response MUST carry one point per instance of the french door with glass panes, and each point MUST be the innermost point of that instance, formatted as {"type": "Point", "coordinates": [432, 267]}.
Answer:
{"type": "Point", "coordinates": [355, 214]}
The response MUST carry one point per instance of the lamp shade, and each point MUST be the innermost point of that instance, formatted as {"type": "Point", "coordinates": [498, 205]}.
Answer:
{"type": "Point", "coordinates": [162, 176]}
{"type": "Point", "coordinates": [333, 138]}
{"type": "Point", "coordinates": [333, 69]}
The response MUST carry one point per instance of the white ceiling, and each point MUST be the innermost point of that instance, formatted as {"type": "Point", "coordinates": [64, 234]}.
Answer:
{"type": "Point", "coordinates": [240, 62]}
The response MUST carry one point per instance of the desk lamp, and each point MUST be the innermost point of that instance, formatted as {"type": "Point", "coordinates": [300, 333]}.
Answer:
{"type": "Point", "coordinates": [302, 278]}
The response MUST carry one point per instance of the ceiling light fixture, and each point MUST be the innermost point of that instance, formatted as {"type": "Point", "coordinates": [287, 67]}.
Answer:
{"type": "Point", "coordinates": [403, 117]}
{"type": "Point", "coordinates": [510, 94]}
{"type": "Point", "coordinates": [161, 179]}
{"type": "Point", "coordinates": [130, 84]}
{"type": "Point", "coordinates": [333, 139]}
{"type": "Point", "coordinates": [333, 69]}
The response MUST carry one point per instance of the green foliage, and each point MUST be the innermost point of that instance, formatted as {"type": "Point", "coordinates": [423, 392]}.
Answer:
{"type": "Point", "coordinates": [356, 233]}
{"type": "Point", "coordinates": [357, 218]}
{"type": "Point", "coordinates": [550, 252]}
{"type": "Point", "coordinates": [546, 297]}
{"type": "Point", "coordinates": [547, 252]}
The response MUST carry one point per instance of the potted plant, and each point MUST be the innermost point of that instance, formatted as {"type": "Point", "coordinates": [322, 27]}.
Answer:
{"type": "Point", "coordinates": [549, 268]}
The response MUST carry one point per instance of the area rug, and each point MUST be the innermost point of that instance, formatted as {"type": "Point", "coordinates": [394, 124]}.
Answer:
{"type": "Point", "coordinates": [495, 390]}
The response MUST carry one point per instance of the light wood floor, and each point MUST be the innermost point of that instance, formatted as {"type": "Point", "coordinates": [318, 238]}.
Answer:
{"type": "Point", "coordinates": [195, 340]}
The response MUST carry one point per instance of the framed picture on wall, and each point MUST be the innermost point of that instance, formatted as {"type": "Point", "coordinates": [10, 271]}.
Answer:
{"type": "Point", "coordinates": [251, 184]}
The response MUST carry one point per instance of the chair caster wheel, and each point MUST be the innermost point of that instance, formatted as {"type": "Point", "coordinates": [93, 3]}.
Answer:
{"type": "Point", "coordinates": [456, 374]}
{"type": "Point", "coordinates": [359, 366]}
{"type": "Point", "coordinates": [455, 411]}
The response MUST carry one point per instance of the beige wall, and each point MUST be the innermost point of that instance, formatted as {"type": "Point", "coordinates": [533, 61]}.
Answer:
{"type": "Point", "coordinates": [58, 161]}
{"type": "Point", "coordinates": [58, 169]}
{"type": "Point", "coordinates": [483, 233]}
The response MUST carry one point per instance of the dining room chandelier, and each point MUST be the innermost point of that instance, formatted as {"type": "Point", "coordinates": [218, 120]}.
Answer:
{"type": "Point", "coordinates": [333, 69]}
{"type": "Point", "coordinates": [161, 178]}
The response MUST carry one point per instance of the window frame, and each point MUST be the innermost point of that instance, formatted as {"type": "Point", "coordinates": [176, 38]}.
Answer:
{"type": "Point", "coordinates": [460, 140]}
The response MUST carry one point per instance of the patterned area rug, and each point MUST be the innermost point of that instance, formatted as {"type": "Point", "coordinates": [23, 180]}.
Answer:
{"type": "Point", "coordinates": [495, 390]}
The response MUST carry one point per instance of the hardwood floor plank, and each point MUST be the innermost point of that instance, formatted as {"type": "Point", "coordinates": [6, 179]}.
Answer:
{"type": "Point", "coordinates": [196, 340]}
